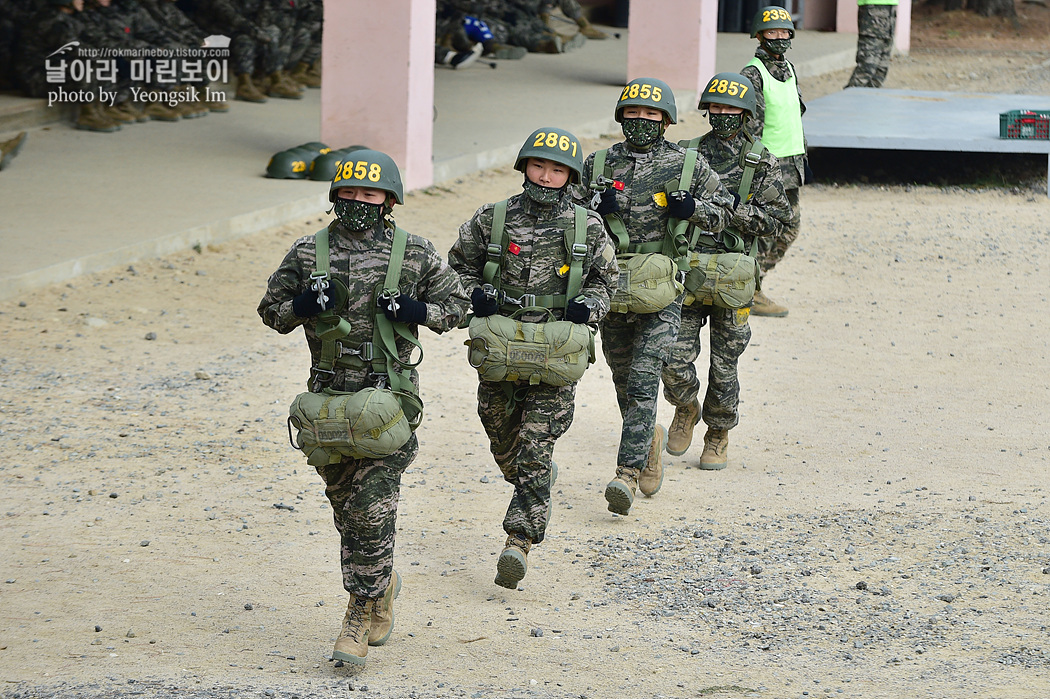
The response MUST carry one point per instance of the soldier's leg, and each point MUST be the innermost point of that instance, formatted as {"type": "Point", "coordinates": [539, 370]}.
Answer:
{"type": "Point", "coordinates": [730, 334]}
{"type": "Point", "coordinates": [681, 383]}
{"type": "Point", "coordinates": [772, 253]}
{"type": "Point", "coordinates": [867, 48]}
{"type": "Point", "coordinates": [364, 495]}
{"type": "Point", "coordinates": [886, 20]}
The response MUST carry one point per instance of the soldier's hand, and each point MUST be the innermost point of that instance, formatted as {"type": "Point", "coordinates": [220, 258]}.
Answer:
{"type": "Point", "coordinates": [607, 204]}
{"type": "Point", "coordinates": [577, 312]}
{"type": "Point", "coordinates": [306, 305]}
{"type": "Point", "coordinates": [680, 204]}
{"type": "Point", "coordinates": [481, 303]}
{"type": "Point", "coordinates": [262, 35]}
{"type": "Point", "coordinates": [405, 309]}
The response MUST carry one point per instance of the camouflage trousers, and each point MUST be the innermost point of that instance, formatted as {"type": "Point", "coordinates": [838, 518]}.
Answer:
{"type": "Point", "coordinates": [770, 252]}
{"type": "Point", "coordinates": [364, 494]}
{"type": "Point", "coordinates": [636, 347]}
{"type": "Point", "coordinates": [249, 55]}
{"type": "Point", "coordinates": [730, 334]}
{"type": "Point", "coordinates": [521, 437]}
{"type": "Point", "coordinates": [875, 27]}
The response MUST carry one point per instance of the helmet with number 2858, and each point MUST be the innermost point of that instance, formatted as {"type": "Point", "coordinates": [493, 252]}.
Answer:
{"type": "Point", "coordinates": [368, 168]}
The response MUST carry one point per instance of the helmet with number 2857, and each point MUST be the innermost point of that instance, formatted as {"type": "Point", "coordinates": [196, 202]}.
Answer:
{"type": "Point", "coordinates": [731, 89]}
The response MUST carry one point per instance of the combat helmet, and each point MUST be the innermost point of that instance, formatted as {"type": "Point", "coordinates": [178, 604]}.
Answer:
{"type": "Point", "coordinates": [369, 168]}
{"type": "Point", "coordinates": [553, 144]}
{"type": "Point", "coordinates": [731, 89]}
{"type": "Point", "coordinates": [772, 17]}
{"type": "Point", "coordinates": [647, 92]}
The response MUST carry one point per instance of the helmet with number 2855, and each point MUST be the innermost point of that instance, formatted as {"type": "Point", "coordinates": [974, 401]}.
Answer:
{"type": "Point", "coordinates": [647, 92]}
{"type": "Point", "coordinates": [368, 168]}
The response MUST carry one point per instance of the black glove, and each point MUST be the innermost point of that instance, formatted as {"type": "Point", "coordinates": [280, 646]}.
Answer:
{"type": "Point", "coordinates": [483, 305]}
{"type": "Point", "coordinates": [577, 312]}
{"type": "Point", "coordinates": [408, 310]}
{"type": "Point", "coordinates": [305, 305]}
{"type": "Point", "coordinates": [608, 204]}
{"type": "Point", "coordinates": [736, 200]}
{"type": "Point", "coordinates": [680, 204]}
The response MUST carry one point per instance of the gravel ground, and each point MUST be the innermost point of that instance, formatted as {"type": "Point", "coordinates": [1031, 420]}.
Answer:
{"type": "Point", "coordinates": [881, 530]}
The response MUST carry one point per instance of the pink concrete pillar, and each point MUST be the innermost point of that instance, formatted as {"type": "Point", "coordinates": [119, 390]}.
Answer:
{"type": "Point", "coordinates": [377, 88]}
{"type": "Point", "coordinates": [846, 21]}
{"type": "Point", "coordinates": [673, 41]}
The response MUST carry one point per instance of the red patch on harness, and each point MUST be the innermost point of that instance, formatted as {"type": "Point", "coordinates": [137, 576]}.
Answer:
{"type": "Point", "coordinates": [618, 185]}
{"type": "Point", "coordinates": [514, 248]}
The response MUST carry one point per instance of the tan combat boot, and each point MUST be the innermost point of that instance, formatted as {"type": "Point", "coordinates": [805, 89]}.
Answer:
{"type": "Point", "coordinates": [680, 436]}
{"type": "Point", "coordinates": [620, 491]}
{"type": "Point", "coordinates": [247, 91]}
{"type": "Point", "coordinates": [513, 562]}
{"type": "Point", "coordinates": [716, 446]}
{"type": "Point", "coordinates": [652, 476]}
{"type": "Point", "coordinates": [159, 111]}
{"type": "Point", "coordinates": [91, 118]}
{"type": "Point", "coordinates": [192, 108]}
{"type": "Point", "coordinates": [764, 306]}
{"type": "Point", "coordinates": [551, 44]}
{"type": "Point", "coordinates": [503, 52]}
{"type": "Point", "coordinates": [132, 109]}
{"type": "Point", "coordinates": [9, 149]}
{"type": "Point", "coordinates": [119, 115]}
{"type": "Point", "coordinates": [281, 86]}
{"type": "Point", "coordinates": [217, 104]}
{"type": "Point", "coordinates": [352, 644]}
{"type": "Point", "coordinates": [383, 613]}
{"type": "Point", "coordinates": [588, 29]}
{"type": "Point", "coordinates": [302, 75]}
{"type": "Point", "coordinates": [315, 70]}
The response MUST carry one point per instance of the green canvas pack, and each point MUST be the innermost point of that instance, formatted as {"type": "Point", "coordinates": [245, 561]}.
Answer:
{"type": "Point", "coordinates": [332, 425]}
{"type": "Point", "coordinates": [505, 349]}
{"type": "Point", "coordinates": [648, 282]}
{"type": "Point", "coordinates": [726, 280]}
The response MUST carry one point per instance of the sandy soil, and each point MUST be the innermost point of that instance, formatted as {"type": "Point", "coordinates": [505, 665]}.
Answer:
{"type": "Point", "coordinates": [881, 530]}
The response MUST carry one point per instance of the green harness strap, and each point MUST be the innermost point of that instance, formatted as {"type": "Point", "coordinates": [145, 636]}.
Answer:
{"type": "Point", "coordinates": [381, 352]}
{"type": "Point", "coordinates": [749, 160]}
{"type": "Point", "coordinates": [674, 243]}
{"type": "Point", "coordinates": [575, 247]}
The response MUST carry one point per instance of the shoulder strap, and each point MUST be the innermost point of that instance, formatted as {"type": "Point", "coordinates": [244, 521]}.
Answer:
{"type": "Point", "coordinates": [690, 142]}
{"type": "Point", "coordinates": [494, 252]}
{"type": "Point", "coordinates": [749, 160]}
{"type": "Point", "coordinates": [613, 222]}
{"type": "Point", "coordinates": [576, 246]}
{"type": "Point", "coordinates": [677, 242]}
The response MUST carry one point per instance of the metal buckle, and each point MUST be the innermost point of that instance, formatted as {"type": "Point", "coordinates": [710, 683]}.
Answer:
{"type": "Point", "coordinates": [527, 300]}
{"type": "Point", "coordinates": [365, 351]}
{"type": "Point", "coordinates": [579, 251]}
{"type": "Point", "coordinates": [494, 251]}
{"type": "Point", "coordinates": [752, 159]}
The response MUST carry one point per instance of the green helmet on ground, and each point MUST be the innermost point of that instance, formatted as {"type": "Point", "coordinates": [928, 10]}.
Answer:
{"type": "Point", "coordinates": [294, 163]}
{"type": "Point", "coordinates": [772, 17]}
{"type": "Point", "coordinates": [647, 92]}
{"type": "Point", "coordinates": [730, 89]}
{"type": "Point", "coordinates": [369, 168]}
{"type": "Point", "coordinates": [553, 144]}
{"type": "Point", "coordinates": [323, 167]}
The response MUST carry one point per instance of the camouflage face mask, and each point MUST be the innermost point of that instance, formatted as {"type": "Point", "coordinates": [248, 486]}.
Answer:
{"type": "Point", "coordinates": [778, 47]}
{"type": "Point", "coordinates": [357, 215]}
{"type": "Point", "coordinates": [726, 125]}
{"type": "Point", "coordinates": [642, 133]}
{"type": "Point", "coordinates": [540, 194]}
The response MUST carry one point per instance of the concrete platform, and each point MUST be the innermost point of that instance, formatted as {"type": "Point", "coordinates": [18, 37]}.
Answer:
{"type": "Point", "coordinates": [866, 118]}
{"type": "Point", "coordinates": [75, 202]}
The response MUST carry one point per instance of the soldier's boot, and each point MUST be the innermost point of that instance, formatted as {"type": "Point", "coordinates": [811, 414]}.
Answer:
{"type": "Point", "coordinates": [192, 108]}
{"type": "Point", "coordinates": [715, 456]}
{"type": "Point", "coordinates": [280, 87]}
{"type": "Point", "coordinates": [301, 74]}
{"type": "Point", "coordinates": [620, 491]}
{"type": "Point", "coordinates": [9, 149]}
{"type": "Point", "coordinates": [764, 306]}
{"type": "Point", "coordinates": [119, 115]}
{"type": "Point", "coordinates": [551, 44]}
{"type": "Point", "coordinates": [91, 118]}
{"type": "Point", "coordinates": [589, 30]}
{"type": "Point", "coordinates": [513, 562]}
{"type": "Point", "coordinates": [545, 17]}
{"type": "Point", "coordinates": [352, 644]}
{"type": "Point", "coordinates": [315, 70]}
{"type": "Point", "coordinates": [504, 52]}
{"type": "Point", "coordinates": [383, 613]}
{"type": "Point", "coordinates": [159, 111]}
{"type": "Point", "coordinates": [680, 436]}
{"type": "Point", "coordinates": [216, 103]}
{"type": "Point", "coordinates": [247, 91]}
{"type": "Point", "coordinates": [652, 476]}
{"type": "Point", "coordinates": [133, 110]}
{"type": "Point", "coordinates": [574, 42]}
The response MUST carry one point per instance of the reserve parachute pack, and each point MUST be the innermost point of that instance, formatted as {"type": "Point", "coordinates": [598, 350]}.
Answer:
{"type": "Point", "coordinates": [650, 273]}
{"type": "Point", "coordinates": [724, 279]}
{"type": "Point", "coordinates": [505, 349]}
{"type": "Point", "coordinates": [374, 422]}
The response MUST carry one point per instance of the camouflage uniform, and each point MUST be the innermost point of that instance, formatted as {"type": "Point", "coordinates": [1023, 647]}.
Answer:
{"type": "Point", "coordinates": [254, 43]}
{"type": "Point", "coordinates": [636, 345]}
{"type": "Point", "coordinates": [45, 31]}
{"type": "Point", "coordinates": [792, 169]}
{"type": "Point", "coordinates": [764, 215]}
{"type": "Point", "coordinates": [306, 34]}
{"type": "Point", "coordinates": [364, 492]}
{"type": "Point", "coordinates": [522, 431]}
{"type": "Point", "coordinates": [875, 27]}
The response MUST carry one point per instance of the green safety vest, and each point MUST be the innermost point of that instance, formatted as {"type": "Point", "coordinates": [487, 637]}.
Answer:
{"type": "Point", "coordinates": [782, 131]}
{"type": "Point", "coordinates": [876, 2]}
{"type": "Point", "coordinates": [575, 247]}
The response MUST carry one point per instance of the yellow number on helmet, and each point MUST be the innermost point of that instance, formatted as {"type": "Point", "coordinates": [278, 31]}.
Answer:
{"type": "Point", "coordinates": [634, 90]}
{"type": "Point", "coordinates": [298, 166]}
{"type": "Point", "coordinates": [348, 170]}
{"type": "Point", "coordinates": [743, 90]}
{"type": "Point", "coordinates": [657, 94]}
{"type": "Point", "coordinates": [540, 135]}
{"type": "Point", "coordinates": [734, 88]}
{"type": "Point", "coordinates": [765, 16]}
{"type": "Point", "coordinates": [361, 169]}
{"type": "Point", "coordinates": [626, 89]}
{"type": "Point", "coordinates": [563, 143]}
{"type": "Point", "coordinates": [552, 139]}
{"type": "Point", "coordinates": [645, 91]}
{"type": "Point", "coordinates": [374, 172]}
